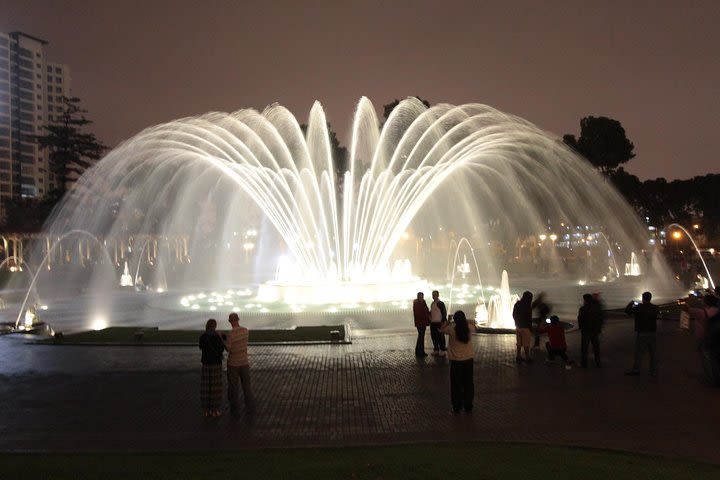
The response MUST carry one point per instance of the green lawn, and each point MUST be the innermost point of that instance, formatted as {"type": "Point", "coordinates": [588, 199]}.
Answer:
{"type": "Point", "coordinates": [151, 336]}
{"type": "Point", "coordinates": [422, 461]}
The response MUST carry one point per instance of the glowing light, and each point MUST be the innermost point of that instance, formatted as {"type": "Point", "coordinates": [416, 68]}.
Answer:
{"type": "Point", "coordinates": [553, 237]}
{"type": "Point", "coordinates": [542, 237]}
{"type": "Point", "coordinates": [160, 290]}
{"type": "Point", "coordinates": [99, 323]}
{"type": "Point", "coordinates": [43, 307]}
{"type": "Point", "coordinates": [677, 235]}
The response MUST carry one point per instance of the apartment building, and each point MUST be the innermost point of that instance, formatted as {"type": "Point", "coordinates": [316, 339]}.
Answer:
{"type": "Point", "coordinates": [31, 91]}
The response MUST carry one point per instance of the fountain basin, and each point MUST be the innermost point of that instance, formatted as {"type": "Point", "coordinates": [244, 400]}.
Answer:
{"type": "Point", "coordinates": [318, 293]}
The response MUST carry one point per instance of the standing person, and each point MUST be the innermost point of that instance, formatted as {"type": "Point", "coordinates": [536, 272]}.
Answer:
{"type": "Point", "coordinates": [645, 314]}
{"type": "Point", "coordinates": [212, 348]}
{"type": "Point", "coordinates": [556, 344]}
{"type": "Point", "coordinates": [238, 366]}
{"type": "Point", "coordinates": [590, 323]}
{"type": "Point", "coordinates": [543, 310]}
{"type": "Point", "coordinates": [700, 316]}
{"type": "Point", "coordinates": [421, 316]}
{"type": "Point", "coordinates": [522, 314]}
{"type": "Point", "coordinates": [460, 354]}
{"type": "Point", "coordinates": [704, 335]}
{"type": "Point", "coordinates": [438, 315]}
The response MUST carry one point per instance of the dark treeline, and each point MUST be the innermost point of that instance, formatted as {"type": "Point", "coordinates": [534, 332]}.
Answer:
{"type": "Point", "coordinates": [604, 143]}
{"type": "Point", "coordinates": [678, 201]}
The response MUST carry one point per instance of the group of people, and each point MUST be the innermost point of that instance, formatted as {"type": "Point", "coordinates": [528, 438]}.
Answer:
{"type": "Point", "coordinates": [213, 344]}
{"type": "Point", "coordinates": [458, 348]}
{"type": "Point", "coordinates": [590, 320]}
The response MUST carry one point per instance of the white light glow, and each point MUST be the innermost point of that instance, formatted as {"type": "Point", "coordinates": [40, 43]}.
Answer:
{"type": "Point", "coordinates": [99, 323]}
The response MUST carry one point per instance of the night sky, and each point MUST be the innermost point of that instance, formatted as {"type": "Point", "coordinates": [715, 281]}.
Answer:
{"type": "Point", "coordinates": [652, 65]}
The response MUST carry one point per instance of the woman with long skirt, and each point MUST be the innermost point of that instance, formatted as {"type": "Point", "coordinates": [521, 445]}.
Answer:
{"type": "Point", "coordinates": [212, 347]}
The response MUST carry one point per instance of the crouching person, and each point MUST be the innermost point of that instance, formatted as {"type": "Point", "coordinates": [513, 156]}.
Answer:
{"type": "Point", "coordinates": [556, 345]}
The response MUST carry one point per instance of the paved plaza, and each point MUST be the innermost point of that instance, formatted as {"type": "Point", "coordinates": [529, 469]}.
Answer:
{"type": "Point", "coordinates": [374, 391]}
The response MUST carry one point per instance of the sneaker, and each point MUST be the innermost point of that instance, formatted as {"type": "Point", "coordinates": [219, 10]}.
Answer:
{"type": "Point", "coordinates": [442, 353]}
{"type": "Point", "coordinates": [568, 367]}
{"type": "Point", "coordinates": [435, 353]}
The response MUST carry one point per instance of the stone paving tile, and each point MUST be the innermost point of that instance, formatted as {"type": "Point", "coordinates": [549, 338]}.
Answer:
{"type": "Point", "coordinates": [373, 391]}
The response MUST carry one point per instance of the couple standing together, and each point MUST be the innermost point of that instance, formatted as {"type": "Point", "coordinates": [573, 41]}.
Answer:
{"type": "Point", "coordinates": [212, 346]}
{"type": "Point", "coordinates": [433, 317]}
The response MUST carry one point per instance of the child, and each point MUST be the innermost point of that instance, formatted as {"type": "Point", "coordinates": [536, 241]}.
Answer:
{"type": "Point", "coordinates": [556, 344]}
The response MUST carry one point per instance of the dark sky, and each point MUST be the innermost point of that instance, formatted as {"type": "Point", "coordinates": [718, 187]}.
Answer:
{"type": "Point", "coordinates": [652, 65]}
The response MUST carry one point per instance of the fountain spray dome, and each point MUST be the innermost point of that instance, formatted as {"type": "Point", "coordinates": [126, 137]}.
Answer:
{"type": "Point", "coordinates": [338, 225]}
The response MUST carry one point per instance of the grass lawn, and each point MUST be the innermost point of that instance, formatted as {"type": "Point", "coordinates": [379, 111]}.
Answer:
{"type": "Point", "coordinates": [152, 336]}
{"type": "Point", "coordinates": [472, 460]}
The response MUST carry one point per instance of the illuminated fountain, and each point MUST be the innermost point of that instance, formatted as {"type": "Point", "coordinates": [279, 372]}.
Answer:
{"type": "Point", "coordinates": [705, 281]}
{"type": "Point", "coordinates": [632, 269]}
{"type": "Point", "coordinates": [126, 279]}
{"type": "Point", "coordinates": [330, 230]}
{"type": "Point", "coordinates": [501, 305]}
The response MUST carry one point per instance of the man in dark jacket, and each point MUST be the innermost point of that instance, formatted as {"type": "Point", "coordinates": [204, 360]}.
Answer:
{"type": "Point", "coordinates": [522, 314]}
{"type": "Point", "coordinates": [646, 315]}
{"type": "Point", "coordinates": [590, 323]}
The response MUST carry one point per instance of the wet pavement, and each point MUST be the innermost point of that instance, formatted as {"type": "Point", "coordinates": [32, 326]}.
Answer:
{"type": "Point", "coordinates": [374, 391]}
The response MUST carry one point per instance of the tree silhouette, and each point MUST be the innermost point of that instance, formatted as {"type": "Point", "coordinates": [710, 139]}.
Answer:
{"type": "Point", "coordinates": [602, 142]}
{"type": "Point", "coordinates": [71, 150]}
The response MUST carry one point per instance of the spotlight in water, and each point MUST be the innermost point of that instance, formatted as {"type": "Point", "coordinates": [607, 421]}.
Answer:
{"type": "Point", "coordinates": [99, 323]}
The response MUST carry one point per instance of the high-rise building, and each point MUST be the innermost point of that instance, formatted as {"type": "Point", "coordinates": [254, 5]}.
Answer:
{"type": "Point", "coordinates": [31, 92]}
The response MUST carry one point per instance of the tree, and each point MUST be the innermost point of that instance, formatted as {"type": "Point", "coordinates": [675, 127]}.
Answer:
{"type": "Point", "coordinates": [27, 214]}
{"type": "Point", "coordinates": [72, 151]}
{"type": "Point", "coordinates": [602, 142]}
{"type": "Point", "coordinates": [388, 108]}
{"type": "Point", "coordinates": [628, 185]}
